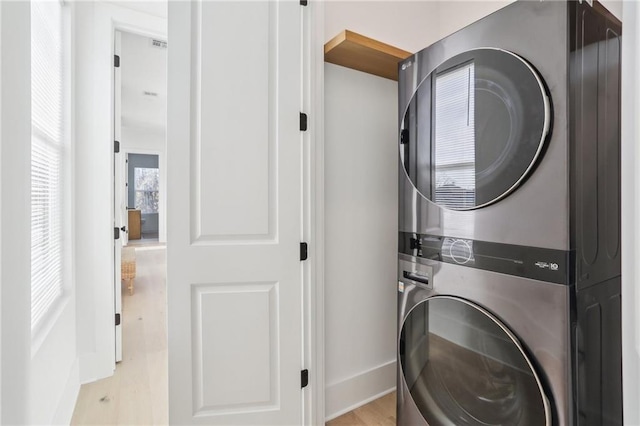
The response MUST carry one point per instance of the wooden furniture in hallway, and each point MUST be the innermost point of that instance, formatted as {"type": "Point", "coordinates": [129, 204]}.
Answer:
{"type": "Point", "coordinates": [135, 224]}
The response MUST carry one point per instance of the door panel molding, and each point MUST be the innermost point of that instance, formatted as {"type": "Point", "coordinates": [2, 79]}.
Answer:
{"type": "Point", "coordinates": [236, 135]}
{"type": "Point", "coordinates": [227, 386]}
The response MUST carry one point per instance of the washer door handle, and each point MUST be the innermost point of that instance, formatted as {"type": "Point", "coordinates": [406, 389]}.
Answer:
{"type": "Point", "coordinates": [415, 277]}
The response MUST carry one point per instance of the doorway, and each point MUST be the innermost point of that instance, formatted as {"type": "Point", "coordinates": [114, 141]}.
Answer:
{"type": "Point", "coordinates": [137, 393]}
{"type": "Point", "coordinates": [142, 118]}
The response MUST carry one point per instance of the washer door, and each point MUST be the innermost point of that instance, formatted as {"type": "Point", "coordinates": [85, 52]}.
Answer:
{"type": "Point", "coordinates": [474, 128]}
{"type": "Point", "coordinates": [462, 366]}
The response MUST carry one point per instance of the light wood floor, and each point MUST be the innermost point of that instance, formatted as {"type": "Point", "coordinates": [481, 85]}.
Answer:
{"type": "Point", "coordinates": [145, 242]}
{"type": "Point", "coordinates": [137, 393]}
{"type": "Point", "coordinates": [381, 412]}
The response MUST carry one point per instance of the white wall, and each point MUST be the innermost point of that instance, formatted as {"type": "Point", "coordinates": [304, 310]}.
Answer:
{"type": "Point", "coordinates": [54, 378]}
{"type": "Point", "coordinates": [15, 144]}
{"type": "Point", "coordinates": [361, 195]}
{"type": "Point", "coordinates": [630, 211]}
{"type": "Point", "coordinates": [94, 272]}
{"type": "Point", "coordinates": [616, 7]}
{"type": "Point", "coordinates": [142, 139]}
{"type": "Point", "coordinates": [455, 15]}
{"type": "Point", "coordinates": [1, 215]}
{"type": "Point", "coordinates": [94, 177]}
{"type": "Point", "coordinates": [408, 25]}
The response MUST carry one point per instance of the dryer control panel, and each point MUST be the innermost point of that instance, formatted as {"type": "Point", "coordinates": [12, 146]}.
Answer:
{"type": "Point", "coordinates": [530, 262]}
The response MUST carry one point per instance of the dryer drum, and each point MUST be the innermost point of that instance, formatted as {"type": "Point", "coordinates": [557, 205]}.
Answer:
{"type": "Point", "coordinates": [474, 128]}
{"type": "Point", "coordinates": [462, 365]}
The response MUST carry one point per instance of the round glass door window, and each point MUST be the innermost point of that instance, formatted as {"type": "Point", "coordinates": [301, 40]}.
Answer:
{"type": "Point", "coordinates": [463, 367]}
{"type": "Point", "coordinates": [474, 129]}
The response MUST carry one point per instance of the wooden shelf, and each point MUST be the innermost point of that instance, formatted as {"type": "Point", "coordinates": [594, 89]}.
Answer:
{"type": "Point", "coordinates": [365, 54]}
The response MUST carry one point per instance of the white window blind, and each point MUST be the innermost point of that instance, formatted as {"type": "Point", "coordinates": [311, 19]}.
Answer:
{"type": "Point", "coordinates": [455, 171]}
{"type": "Point", "coordinates": [47, 149]}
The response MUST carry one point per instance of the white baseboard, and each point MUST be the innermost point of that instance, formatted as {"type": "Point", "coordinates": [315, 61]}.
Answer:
{"type": "Point", "coordinates": [351, 393]}
{"type": "Point", "coordinates": [95, 366]}
{"type": "Point", "coordinates": [69, 397]}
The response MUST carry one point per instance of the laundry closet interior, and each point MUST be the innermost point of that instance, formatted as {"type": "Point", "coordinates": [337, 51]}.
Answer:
{"type": "Point", "coordinates": [362, 139]}
{"type": "Point", "coordinates": [361, 193]}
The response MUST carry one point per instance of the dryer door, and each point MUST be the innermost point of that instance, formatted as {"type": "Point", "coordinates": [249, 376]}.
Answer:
{"type": "Point", "coordinates": [462, 366]}
{"type": "Point", "coordinates": [474, 128]}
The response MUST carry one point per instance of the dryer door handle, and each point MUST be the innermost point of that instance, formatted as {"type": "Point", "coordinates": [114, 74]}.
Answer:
{"type": "Point", "coordinates": [417, 278]}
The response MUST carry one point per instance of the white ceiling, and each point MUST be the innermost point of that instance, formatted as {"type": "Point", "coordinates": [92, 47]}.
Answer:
{"type": "Point", "coordinates": [144, 83]}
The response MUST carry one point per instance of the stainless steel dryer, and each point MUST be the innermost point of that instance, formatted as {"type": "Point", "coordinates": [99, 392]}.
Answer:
{"type": "Point", "coordinates": [509, 150]}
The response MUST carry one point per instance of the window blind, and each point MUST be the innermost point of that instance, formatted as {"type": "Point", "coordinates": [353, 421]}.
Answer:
{"type": "Point", "coordinates": [47, 147]}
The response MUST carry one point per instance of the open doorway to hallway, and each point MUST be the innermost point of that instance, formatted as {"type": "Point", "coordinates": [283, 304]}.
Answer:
{"type": "Point", "coordinates": [137, 393]}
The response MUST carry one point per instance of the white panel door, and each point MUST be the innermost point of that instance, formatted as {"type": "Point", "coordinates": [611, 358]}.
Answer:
{"type": "Point", "coordinates": [234, 213]}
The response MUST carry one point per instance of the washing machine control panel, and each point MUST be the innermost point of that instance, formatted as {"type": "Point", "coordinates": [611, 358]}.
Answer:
{"type": "Point", "coordinates": [529, 262]}
{"type": "Point", "coordinates": [420, 275]}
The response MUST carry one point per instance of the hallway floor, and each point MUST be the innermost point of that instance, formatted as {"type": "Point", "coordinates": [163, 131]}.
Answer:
{"type": "Point", "coordinates": [137, 392]}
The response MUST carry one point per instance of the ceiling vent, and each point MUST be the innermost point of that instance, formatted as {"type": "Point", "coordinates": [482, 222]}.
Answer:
{"type": "Point", "coordinates": [160, 44]}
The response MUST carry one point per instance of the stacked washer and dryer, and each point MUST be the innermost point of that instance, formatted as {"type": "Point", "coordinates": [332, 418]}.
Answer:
{"type": "Point", "coordinates": [509, 227]}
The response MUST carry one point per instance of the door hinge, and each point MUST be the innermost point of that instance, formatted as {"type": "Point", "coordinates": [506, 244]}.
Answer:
{"type": "Point", "coordinates": [304, 251]}
{"type": "Point", "coordinates": [303, 122]}
{"type": "Point", "coordinates": [304, 2]}
{"type": "Point", "coordinates": [116, 61]}
{"type": "Point", "coordinates": [116, 147]}
{"type": "Point", "coordinates": [117, 319]}
{"type": "Point", "coordinates": [304, 378]}
{"type": "Point", "coordinates": [116, 233]}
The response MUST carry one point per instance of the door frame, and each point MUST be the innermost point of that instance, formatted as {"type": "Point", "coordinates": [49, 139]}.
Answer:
{"type": "Point", "coordinates": [314, 209]}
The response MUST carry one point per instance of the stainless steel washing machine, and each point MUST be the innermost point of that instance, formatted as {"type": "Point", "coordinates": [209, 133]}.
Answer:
{"type": "Point", "coordinates": [509, 201]}
{"type": "Point", "coordinates": [462, 356]}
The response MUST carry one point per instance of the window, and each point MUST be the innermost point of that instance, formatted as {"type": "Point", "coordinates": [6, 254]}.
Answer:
{"type": "Point", "coordinates": [147, 189]}
{"type": "Point", "coordinates": [48, 145]}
